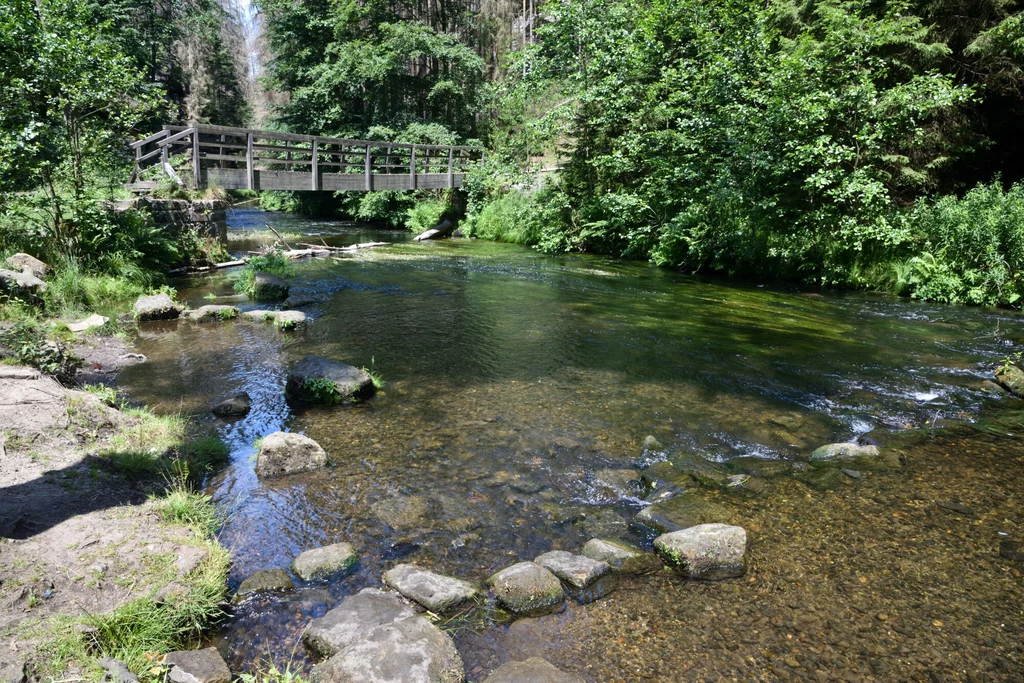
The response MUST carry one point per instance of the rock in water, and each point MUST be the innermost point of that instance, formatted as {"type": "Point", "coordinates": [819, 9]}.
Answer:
{"type": "Point", "coordinates": [321, 380]}
{"type": "Point", "coordinates": [285, 453]}
{"type": "Point", "coordinates": [855, 456]}
{"type": "Point", "coordinates": [587, 579]}
{"type": "Point", "coordinates": [375, 636]}
{"type": "Point", "coordinates": [198, 666]}
{"type": "Point", "coordinates": [267, 287]}
{"type": "Point", "coordinates": [438, 593]}
{"type": "Point", "coordinates": [1011, 378]}
{"type": "Point", "coordinates": [211, 313]}
{"type": "Point", "coordinates": [26, 263]}
{"type": "Point", "coordinates": [236, 406]}
{"type": "Point", "coordinates": [321, 562]}
{"type": "Point", "coordinates": [262, 581]}
{"type": "Point", "coordinates": [528, 589]}
{"type": "Point", "coordinates": [622, 558]}
{"type": "Point", "coordinates": [156, 307]}
{"type": "Point", "coordinates": [533, 670]}
{"type": "Point", "coordinates": [681, 511]}
{"type": "Point", "coordinates": [651, 444]}
{"type": "Point", "coordinates": [706, 551]}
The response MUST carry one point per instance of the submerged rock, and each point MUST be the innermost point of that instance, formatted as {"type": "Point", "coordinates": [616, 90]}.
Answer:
{"type": "Point", "coordinates": [438, 593]}
{"type": "Point", "coordinates": [611, 483]}
{"type": "Point", "coordinates": [821, 478]}
{"type": "Point", "coordinates": [263, 581]}
{"type": "Point", "coordinates": [406, 512]}
{"type": "Point", "coordinates": [322, 562]}
{"type": "Point", "coordinates": [238, 405]}
{"type": "Point", "coordinates": [659, 475]}
{"type": "Point", "coordinates": [267, 287]}
{"type": "Point", "coordinates": [707, 551]}
{"type": "Point", "coordinates": [527, 589]}
{"type": "Point", "coordinates": [705, 472]}
{"type": "Point", "coordinates": [856, 456]}
{"type": "Point", "coordinates": [299, 300]}
{"type": "Point", "coordinates": [651, 444]}
{"type": "Point", "coordinates": [198, 666]}
{"type": "Point", "coordinates": [533, 670]}
{"type": "Point", "coordinates": [315, 379]}
{"type": "Point", "coordinates": [376, 636]}
{"type": "Point", "coordinates": [621, 557]}
{"type": "Point", "coordinates": [26, 263]}
{"type": "Point", "coordinates": [587, 579]}
{"type": "Point", "coordinates": [761, 467]}
{"type": "Point", "coordinates": [285, 453]}
{"type": "Point", "coordinates": [156, 307]}
{"type": "Point", "coordinates": [682, 511]}
{"type": "Point", "coordinates": [1011, 378]}
{"type": "Point", "coordinates": [211, 313]}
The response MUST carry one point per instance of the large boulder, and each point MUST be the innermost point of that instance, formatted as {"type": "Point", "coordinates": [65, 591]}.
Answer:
{"type": "Point", "coordinates": [267, 287]}
{"type": "Point", "coordinates": [16, 283]}
{"type": "Point", "coordinates": [283, 453]}
{"type": "Point", "coordinates": [211, 313]}
{"type": "Point", "coordinates": [681, 511]}
{"type": "Point", "coordinates": [321, 562]}
{"type": "Point", "coordinates": [587, 579]}
{"type": "Point", "coordinates": [533, 670]}
{"type": "Point", "coordinates": [263, 581]}
{"type": "Point", "coordinates": [315, 379]}
{"type": "Point", "coordinates": [438, 593]}
{"type": "Point", "coordinates": [706, 551]}
{"type": "Point", "coordinates": [527, 589]}
{"type": "Point", "coordinates": [156, 307]}
{"type": "Point", "coordinates": [852, 455]}
{"type": "Point", "coordinates": [197, 666]}
{"type": "Point", "coordinates": [26, 263]}
{"type": "Point", "coordinates": [1011, 378]}
{"type": "Point", "coordinates": [376, 636]}
{"type": "Point", "coordinates": [621, 557]}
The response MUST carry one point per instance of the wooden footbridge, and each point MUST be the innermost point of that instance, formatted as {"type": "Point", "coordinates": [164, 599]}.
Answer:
{"type": "Point", "coordinates": [245, 159]}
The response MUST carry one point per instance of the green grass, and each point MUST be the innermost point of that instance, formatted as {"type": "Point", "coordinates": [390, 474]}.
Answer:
{"type": "Point", "coordinates": [73, 293]}
{"type": "Point", "coordinates": [183, 505]}
{"type": "Point", "coordinates": [158, 446]}
{"type": "Point", "coordinates": [269, 672]}
{"type": "Point", "coordinates": [375, 376]}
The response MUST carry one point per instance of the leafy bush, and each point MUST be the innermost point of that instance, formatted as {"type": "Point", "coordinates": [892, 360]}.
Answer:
{"type": "Point", "coordinates": [390, 207]}
{"type": "Point", "coordinates": [425, 214]}
{"type": "Point", "coordinates": [273, 262]}
{"type": "Point", "coordinates": [29, 344]}
{"type": "Point", "coordinates": [510, 217]}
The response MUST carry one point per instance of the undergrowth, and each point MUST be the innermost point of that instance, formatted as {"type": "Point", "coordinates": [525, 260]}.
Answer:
{"type": "Point", "coordinates": [273, 263]}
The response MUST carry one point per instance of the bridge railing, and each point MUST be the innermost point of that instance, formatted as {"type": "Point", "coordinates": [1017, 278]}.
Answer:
{"type": "Point", "coordinates": [242, 158]}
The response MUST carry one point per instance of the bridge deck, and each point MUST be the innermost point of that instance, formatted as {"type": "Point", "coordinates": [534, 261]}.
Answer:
{"type": "Point", "coordinates": [242, 158]}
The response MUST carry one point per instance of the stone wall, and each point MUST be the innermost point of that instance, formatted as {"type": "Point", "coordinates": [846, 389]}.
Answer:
{"type": "Point", "coordinates": [207, 216]}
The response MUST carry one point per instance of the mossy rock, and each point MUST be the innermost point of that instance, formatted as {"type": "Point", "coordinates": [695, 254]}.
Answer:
{"type": "Point", "coordinates": [267, 287]}
{"type": "Point", "coordinates": [1011, 378]}
{"type": "Point", "coordinates": [323, 381]}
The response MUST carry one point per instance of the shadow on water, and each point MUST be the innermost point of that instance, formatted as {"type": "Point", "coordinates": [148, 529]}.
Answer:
{"type": "Point", "coordinates": [510, 378]}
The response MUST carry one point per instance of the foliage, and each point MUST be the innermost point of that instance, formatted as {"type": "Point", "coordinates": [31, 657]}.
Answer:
{"type": "Point", "coordinates": [511, 217]}
{"type": "Point", "coordinates": [269, 672]}
{"type": "Point", "coordinates": [375, 376]}
{"type": "Point", "coordinates": [29, 344]}
{"type": "Point", "coordinates": [321, 390]}
{"type": "Point", "coordinates": [273, 262]}
{"type": "Point", "coordinates": [182, 504]}
{"type": "Point", "coordinates": [425, 214]}
{"type": "Point", "coordinates": [153, 447]}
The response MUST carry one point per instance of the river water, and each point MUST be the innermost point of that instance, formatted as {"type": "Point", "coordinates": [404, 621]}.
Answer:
{"type": "Point", "coordinates": [511, 378]}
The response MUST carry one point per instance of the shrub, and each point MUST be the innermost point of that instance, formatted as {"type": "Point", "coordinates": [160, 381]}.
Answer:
{"type": "Point", "coordinates": [29, 344]}
{"type": "Point", "coordinates": [509, 217]}
{"type": "Point", "coordinates": [425, 214]}
{"type": "Point", "coordinates": [273, 262]}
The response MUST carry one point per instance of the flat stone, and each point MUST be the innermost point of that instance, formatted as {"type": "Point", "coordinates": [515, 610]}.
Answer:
{"type": "Point", "coordinates": [289, 320]}
{"type": "Point", "coordinates": [587, 579]}
{"type": "Point", "coordinates": [267, 287]}
{"type": "Point", "coordinates": [286, 453]}
{"type": "Point", "coordinates": [621, 557]}
{"type": "Point", "coordinates": [156, 307]}
{"type": "Point", "coordinates": [706, 472]}
{"type": "Point", "coordinates": [315, 379]}
{"type": "Point", "coordinates": [94, 320]}
{"type": "Point", "coordinates": [263, 581]}
{"type": "Point", "coordinates": [260, 315]}
{"type": "Point", "coordinates": [321, 562]}
{"type": "Point", "coordinates": [533, 670]}
{"type": "Point", "coordinates": [26, 263]}
{"type": "Point", "coordinates": [411, 650]}
{"type": "Point", "coordinates": [211, 313]}
{"type": "Point", "coordinates": [707, 551]}
{"type": "Point", "coordinates": [358, 614]}
{"type": "Point", "coordinates": [681, 511]}
{"type": "Point", "coordinates": [528, 589]}
{"type": "Point", "coordinates": [761, 467]}
{"type": "Point", "coordinates": [236, 406]}
{"type": "Point", "coordinates": [198, 666]}
{"type": "Point", "coordinates": [299, 300]}
{"type": "Point", "coordinates": [438, 593]}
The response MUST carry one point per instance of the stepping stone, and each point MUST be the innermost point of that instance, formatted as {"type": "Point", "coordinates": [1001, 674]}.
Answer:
{"type": "Point", "coordinates": [94, 320]}
{"type": "Point", "coordinates": [707, 551]}
{"type": "Point", "coordinates": [587, 579]}
{"type": "Point", "coordinates": [236, 406]}
{"type": "Point", "coordinates": [438, 593]}
{"type": "Point", "coordinates": [533, 670]}
{"type": "Point", "coordinates": [156, 307]}
{"type": "Point", "coordinates": [315, 379]}
{"type": "Point", "coordinates": [211, 313]}
{"type": "Point", "coordinates": [263, 581]}
{"type": "Point", "coordinates": [286, 453]}
{"type": "Point", "coordinates": [321, 562]}
{"type": "Point", "coordinates": [198, 666]}
{"type": "Point", "coordinates": [527, 589]}
{"type": "Point", "coordinates": [622, 558]}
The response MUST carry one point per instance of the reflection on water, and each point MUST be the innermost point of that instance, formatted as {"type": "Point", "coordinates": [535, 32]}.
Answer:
{"type": "Point", "coordinates": [513, 376]}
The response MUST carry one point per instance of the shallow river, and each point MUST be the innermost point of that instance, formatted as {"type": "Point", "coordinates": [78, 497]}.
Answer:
{"type": "Point", "coordinates": [511, 377]}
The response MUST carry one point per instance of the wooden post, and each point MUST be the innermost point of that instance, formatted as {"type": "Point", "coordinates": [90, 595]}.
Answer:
{"type": "Point", "coordinates": [369, 177]}
{"type": "Point", "coordinates": [451, 170]}
{"type": "Point", "coordinates": [316, 167]}
{"type": "Point", "coordinates": [195, 157]}
{"type": "Point", "coordinates": [220, 152]}
{"type": "Point", "coordinates": [412, 168]}
{"type": "Point", "coordinates": [250, 172]}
